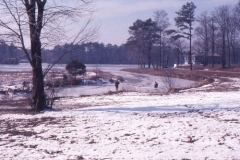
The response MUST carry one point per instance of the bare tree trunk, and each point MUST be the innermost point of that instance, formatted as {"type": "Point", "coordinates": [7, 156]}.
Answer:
{"type": "Point", "coordinates": [223, 51]}
{"type": "Point", "coordinates": [168, 56]}
{"type": "Point", "coordinates": [190, 39]}
{"type": "Point", "coordinates": [206, 46]}
{"type": "Point", "coordinates": [149, 61]}
{"type": "Point", "coordinates": [229, 49]}
{"type": "Point", "coordinates": [234, 53]}
{"type": "Point", "coordinates": [38, 97]}
{"type": "Point", "coordinates": [213, 43]}
{"type": "Point", "coordinates": [160, 52]}
{"type": "Point", "coordinates": [35, 25]}
{"type": "Point", "coordinates": [153, 66]}
{"type": "Point", "coordinates": [178, 59]}
{"type": "Point", "coordinates": [149, 55]}
{"type": "Point", "coordinates": [222, 16]}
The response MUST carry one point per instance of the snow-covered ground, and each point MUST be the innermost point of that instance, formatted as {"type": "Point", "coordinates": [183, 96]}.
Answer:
{"type": "Point", "coordinates": [191, 124]}
{"type": "Point", "coordinates": [130, 125]}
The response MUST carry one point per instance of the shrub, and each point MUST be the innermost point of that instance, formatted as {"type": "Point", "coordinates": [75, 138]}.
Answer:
{"type": "Point", "coordinates": [75, 68]}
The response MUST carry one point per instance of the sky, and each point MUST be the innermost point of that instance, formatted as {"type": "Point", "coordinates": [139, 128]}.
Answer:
{"type": "Point", "coordinates": [116, 16]}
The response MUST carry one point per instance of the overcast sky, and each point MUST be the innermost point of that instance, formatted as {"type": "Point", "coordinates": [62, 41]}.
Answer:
{"type": "Point", "coordinates": [115, 16]}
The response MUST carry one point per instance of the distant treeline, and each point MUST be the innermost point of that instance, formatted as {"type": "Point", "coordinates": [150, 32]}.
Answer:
{"type": "Point", "coordinates": [9, 54]}
{"type": "Point", "coordinates": [90, 53]}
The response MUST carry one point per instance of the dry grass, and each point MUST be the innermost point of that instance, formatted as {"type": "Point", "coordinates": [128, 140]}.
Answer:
{"type": "Point", "coordinates": [199, 73]}
{"type": "Point", "coordinates": [12, 76]}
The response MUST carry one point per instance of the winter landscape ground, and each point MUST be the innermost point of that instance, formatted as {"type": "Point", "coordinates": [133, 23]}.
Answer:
{"type": "Point", "coordinates": [196, 123]}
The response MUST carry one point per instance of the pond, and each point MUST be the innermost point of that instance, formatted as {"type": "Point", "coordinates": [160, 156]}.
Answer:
{"type": "Point", "coordinates": [132, 81]}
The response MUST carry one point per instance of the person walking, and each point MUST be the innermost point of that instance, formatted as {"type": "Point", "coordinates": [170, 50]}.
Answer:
{"type": "Point", "coordinates": [117, 84]}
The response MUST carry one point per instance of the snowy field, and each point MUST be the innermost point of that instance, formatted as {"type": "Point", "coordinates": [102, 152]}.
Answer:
{"type": "Point", "coordinates": [138, 126]}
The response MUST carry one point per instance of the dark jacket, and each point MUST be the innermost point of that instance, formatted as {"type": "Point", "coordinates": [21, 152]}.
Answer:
{"type": "Point", "coordinates": [116, 83]}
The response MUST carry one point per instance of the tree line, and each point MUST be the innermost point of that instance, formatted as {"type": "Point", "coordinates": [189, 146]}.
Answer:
{"type": "Point", "coordinates": [91, 53]}
{"type": "Point", "coordinates": [153, 43]}
{"type": "Point", "coordinates": [9, 54]}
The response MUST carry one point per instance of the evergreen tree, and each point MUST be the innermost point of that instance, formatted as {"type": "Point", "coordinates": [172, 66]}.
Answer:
{"type": "Point", "coordinates": [184, 21]}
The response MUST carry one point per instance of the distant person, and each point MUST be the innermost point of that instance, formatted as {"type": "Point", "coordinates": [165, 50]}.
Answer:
{"type": "Point", "coordinates": [155, 85]}
{"type": "Point", "coordinates": [24, 84]}
{"type": "Point", "coordinates": [117, 84]}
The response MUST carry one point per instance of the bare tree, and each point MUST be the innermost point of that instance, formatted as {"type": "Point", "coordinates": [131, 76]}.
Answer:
{"type": "Point", "coordinates": [236, 12]}
{"type": "Point", "coordinates": [162, 22]}
{"type": "Point", "coordinates": [221, 16]}
{"type": "Point", "coordinates": [202, 31]}
{"type": "Point", "coordinates": [167, 80]}
{"type": "Point", "coordinates": [233, 40]}
{"type": "Point", "coordinates": [213, 30]}
{"type": "Point", "coordinates": [180, 46]}
{"type": "Point", "coordinates": [184, 21]}
{"type": "Point", "coordinates": [232, 34]}
{"type": "Point", "coordinates": [168, 50]}
{"type": "Point", "coordinates": [44, 23]}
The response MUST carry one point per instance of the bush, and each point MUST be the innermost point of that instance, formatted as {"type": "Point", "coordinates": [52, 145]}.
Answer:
{"type": "Point", "coordinates": [75, 68]}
